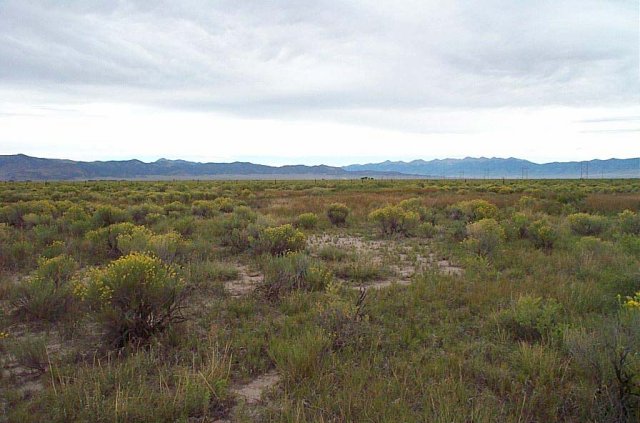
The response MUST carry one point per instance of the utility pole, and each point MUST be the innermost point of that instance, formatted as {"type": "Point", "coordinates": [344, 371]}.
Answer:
{"type": "Point", "coordinates": [587, 170]}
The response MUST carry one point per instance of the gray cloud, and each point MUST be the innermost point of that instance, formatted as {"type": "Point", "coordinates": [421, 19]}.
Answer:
{"type": "Point", "coordinates": [612, 119]}
{"type": "Point", "coordinates": [269, 58]}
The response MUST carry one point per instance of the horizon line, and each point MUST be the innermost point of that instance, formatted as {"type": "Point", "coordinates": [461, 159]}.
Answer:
{"type": "Point", "coordinates": [319, 165]}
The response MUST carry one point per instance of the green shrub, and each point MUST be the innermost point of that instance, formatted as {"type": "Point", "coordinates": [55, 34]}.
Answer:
{"type": "Point", "coordinates": [278, 240]}
{"type": "Point", "coordinates": [232, 230]}
{"type": "Point", "coordinates": [58, 270]}
{"type": "Point", "coordinates": [394, 219]}
{"type": "Point", "coordinates": [103, 242]}
{"type": "Point", "coordinates": [473, 210]}
{"type": "Point", "coordinates": [31, 353]}
{"type": "Point", "coordinates": [362, 268]}
{"type": "Point", "coordinates": [44, 234]}
{"type": "Point", "coordinates": [204, 208]}
{"type": "Point", "coordinates": [185, 225]}
{"type": "Point", "coordinates": [76, 221]}
{"type": "Point", "coordinates": [457, 231]}
{"type": "Point", "coordinates": [166, 246]}
{"type": "Point", "coordinates": [283, 274]}
{"type": "Point", "coordinates": [520, 226]}
{"type": "Point", "coordinates": [585, 224]}
{"type": "Point", "coordinates": [630, 244]}
{"type": "Point", "coordinates": [485, 236]}
{"type": "Point", "coordinates": [299, 357]}
{"type": "Point", "coordinates": [140, 387]}
{"type": "Point", "coordinates": [145, 213]}
{"type": "Point", "coordinates": [526, 203]}
{"type": "Point", "coordinates": [337, 213]}
{"type": "Point", "coordinates": [175, 208]}
{"type": "Point", "coordinates": [224, 204]}
{"type": "Point", "coordinates": [606, 353]}
{"type": "Point", "coordinates": [543, 235]}
{"type": "Point", "coordinates": [343, 319]}
{"type": "Point", "coordinates": [54, 249]}
{"type": "Point", "coordinates": [415, 205]}
{"type": "Point", "coordinates": [531, 318]}
{"type": "Point", "coordinates": [427, 230]}
{"type": "Point", "coordinates": [13, 214]}
{"type": "Point", "coordinates": [135, 297]}
{"type": "Point", "coordinates": [33, 219]}
{"type": "Point", "coordinates": [333, 253]}
{"type": "Point", "coordinates": [307, 221]}
{"type": "Point", "coordinates": [18, 254]}
{"type": "Point", "coordinates": [108, 215]}
{"type": "Point", "coordinates": [39, 299]}
{"type": "Point", "coordinates": [203, 272]}
{"type": "Point", "coordinates": [25, 213]}
{"type": "Point", "coordinates": [46, 295]}
{"type": "Point", "coordinates": [629, 222]}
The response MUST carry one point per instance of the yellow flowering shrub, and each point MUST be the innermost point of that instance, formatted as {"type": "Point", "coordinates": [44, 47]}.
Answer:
{"type": "Point", "coordinates": [278, 240]}
{"type": "Point", "coordinates": [224, 204]}
{"type": "Point", "coordinates": [633, 302]}
{"type": "Point", "coordinates": [473, 210]}
{"type": "Point", "coordinates": [135, 297]}
{"type": "Point", "coordinates": [395, 219]}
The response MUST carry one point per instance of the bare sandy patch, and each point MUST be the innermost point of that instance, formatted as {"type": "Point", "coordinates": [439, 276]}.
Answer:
{"type": "Point", "coordinates": [251, 393]}
{"type": "Point", "coordinates": [245, 283]}
{"type": "Point", "coordinates": [402, 259]}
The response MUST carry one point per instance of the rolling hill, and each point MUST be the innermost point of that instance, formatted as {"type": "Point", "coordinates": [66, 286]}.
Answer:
{"type": "Point", "coordinates": [22, 167]}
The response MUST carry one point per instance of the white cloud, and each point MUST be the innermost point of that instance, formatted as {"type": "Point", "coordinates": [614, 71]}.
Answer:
{"type": "Point", "coordinates": [112, 131]}
{"type": "Point", "coordinates": [323, 80]}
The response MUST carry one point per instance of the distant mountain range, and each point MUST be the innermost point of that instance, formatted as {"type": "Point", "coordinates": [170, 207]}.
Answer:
{"type": "Point", "coordinates": [22, 167]}
{"type": "Point", "coordinates": [510, 168]}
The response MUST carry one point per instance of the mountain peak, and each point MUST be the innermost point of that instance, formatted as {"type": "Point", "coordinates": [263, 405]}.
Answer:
{"type": "Point", "coordinates": [510, 167]}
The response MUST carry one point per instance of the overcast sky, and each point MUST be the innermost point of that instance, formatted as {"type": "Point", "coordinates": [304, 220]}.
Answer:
{"type": "Point", "coordinates": [320, 81]}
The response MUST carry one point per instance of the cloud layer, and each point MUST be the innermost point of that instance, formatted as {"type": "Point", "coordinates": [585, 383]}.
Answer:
{"type": "Point", "coordinates": [414, 66]}
{"type": "Point", "coordinates": [260, 57]}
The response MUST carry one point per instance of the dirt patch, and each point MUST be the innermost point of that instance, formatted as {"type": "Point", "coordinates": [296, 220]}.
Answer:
{"type": "Point", "coordinates": [249, 396]}
{"type": "Point", "coordinates": [404, 259]}
{"type": "Point", "coordinates": [383, 284]}
{"type": "Point", "coordinates": [448, 269]}
{"type": "Point", "coordinates": [27, 375]}
{"type": "Point", "coordinates": [344, 241]}
{"type": "Point", "coordinates": [251, 393]}
{"type": "Point", "coordinates": [25, 381]}
{"type": "Point", "coordinates": [245, 283]}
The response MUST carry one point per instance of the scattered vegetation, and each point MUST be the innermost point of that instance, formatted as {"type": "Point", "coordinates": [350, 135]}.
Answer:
{"type": "Point", "coordinates": [337, 213]}
{"type": "Point", "coordinates": [162, 301]}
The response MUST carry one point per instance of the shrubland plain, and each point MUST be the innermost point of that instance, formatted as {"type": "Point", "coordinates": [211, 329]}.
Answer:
{"type": "Point", "coordinates": [320, 301]}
